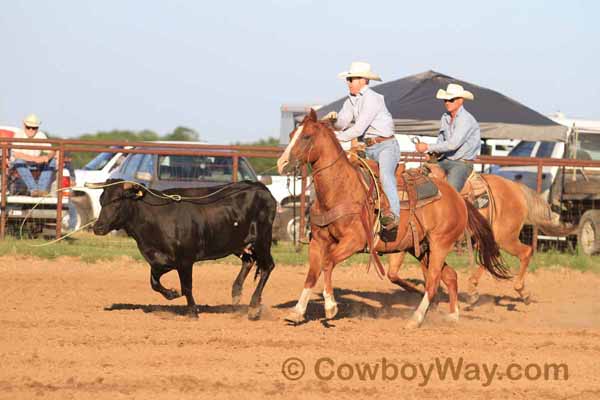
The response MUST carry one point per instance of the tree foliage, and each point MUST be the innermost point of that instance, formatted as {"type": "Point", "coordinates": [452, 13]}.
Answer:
{"type": "Point", "coordinates": [263, 166]}
{"type": "Point", "coordinates": [181, 133]}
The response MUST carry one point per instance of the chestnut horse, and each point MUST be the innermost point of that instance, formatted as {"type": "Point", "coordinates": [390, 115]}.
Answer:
{"type": "Point", "coordinates": [340, 193]}
{"type": "Point", "coordinates": [511, 206]}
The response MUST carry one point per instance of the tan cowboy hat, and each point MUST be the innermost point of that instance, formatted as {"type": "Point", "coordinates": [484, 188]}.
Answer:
{"type": "Point", "coordinates": [360, 69]}
{"type": "Point", "coordinates": [453, 91]}
{"type": "Point", "coordinates": [32, 120]}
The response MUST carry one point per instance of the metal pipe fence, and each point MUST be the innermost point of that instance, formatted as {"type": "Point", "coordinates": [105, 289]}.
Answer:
{"type": "Point", "coordinates": [66, 147]}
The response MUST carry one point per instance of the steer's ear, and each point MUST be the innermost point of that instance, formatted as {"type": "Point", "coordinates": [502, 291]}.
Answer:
{"type": "Point", "coordinates": [133, 191]}
{"type": "Point", "coordinates": [134, 194]}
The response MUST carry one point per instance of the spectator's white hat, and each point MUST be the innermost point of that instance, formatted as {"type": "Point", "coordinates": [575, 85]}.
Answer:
{"type": "Point", "coordinates": [32, 120]}
{"type": "Point", "coordinates": [360, 69]}
{"type": "Point", "coordinates": [453, 91]}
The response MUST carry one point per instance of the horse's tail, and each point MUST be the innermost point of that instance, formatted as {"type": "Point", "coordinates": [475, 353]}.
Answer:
{"type": "Point", "coordinates": [539, 214]}
{"type": "Point", "coordinates": [488, 253]}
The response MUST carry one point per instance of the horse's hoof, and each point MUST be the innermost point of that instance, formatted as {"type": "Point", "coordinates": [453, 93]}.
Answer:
{"type": "Point", "coordinates": [294, 317]}
{"type": "Point", "coordinates": [254, 313]}
{"type": "Point", "coordinates": [525, 296]}
{"type": "Point", "coordinates": [235, 300]}
{"type": "Point", "coordinates": [473, 298]}
{"type": "Point", "coordinates": [192, 313]}
{"type": "Point", "coordinates": [171, 294]}
{"type": "Point", "coordinates": [452, 317]}
{"type": "Point", "coordinates": [412, 324]}
{"type": "Point", "coordinates": [330, 313]}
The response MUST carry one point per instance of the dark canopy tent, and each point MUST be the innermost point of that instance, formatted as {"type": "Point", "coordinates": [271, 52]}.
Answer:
{"type": "Point", "coordinates": [416, 111]}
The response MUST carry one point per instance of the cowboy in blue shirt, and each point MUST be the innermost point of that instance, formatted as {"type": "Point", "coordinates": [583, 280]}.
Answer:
{"type": "Point", "coordinates": [459, 140]}
{"type": "Point", "coordinates": [373, 122]}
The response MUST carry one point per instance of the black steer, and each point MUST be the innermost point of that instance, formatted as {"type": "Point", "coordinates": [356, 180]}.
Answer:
{"type": "Point", "coordinates": [207, 224]}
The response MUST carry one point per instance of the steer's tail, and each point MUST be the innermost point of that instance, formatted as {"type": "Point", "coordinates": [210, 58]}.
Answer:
{"type": "Point", "coordinates": [488, 253]}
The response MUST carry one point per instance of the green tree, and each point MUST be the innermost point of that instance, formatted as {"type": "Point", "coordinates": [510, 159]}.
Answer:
{"type": "Point", "coordinates": [183, 134]}
{"type": "Point", "coordinates": [263, 166]}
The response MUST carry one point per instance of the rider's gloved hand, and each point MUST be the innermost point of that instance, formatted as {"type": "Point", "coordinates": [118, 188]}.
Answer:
{"type": "Point", "coordinates": [332, 115]}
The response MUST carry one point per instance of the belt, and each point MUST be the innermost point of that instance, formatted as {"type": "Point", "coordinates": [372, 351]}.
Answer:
{"type": "Point", "coordinates": [376, 140]}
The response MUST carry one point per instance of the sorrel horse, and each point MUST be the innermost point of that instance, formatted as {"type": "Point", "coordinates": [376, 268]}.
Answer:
{"type": "Point", "coordinates": [511, 205]}
{"type": "Point", "coordinates": [339, 192]}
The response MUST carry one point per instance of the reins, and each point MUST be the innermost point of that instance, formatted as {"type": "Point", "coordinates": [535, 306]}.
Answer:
{"type": "Point", "coordinates": [315, 172]}
{"type": "Point", "coordinates": [371, 229]}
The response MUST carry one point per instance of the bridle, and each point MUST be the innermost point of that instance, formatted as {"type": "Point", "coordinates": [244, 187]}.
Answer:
{"type": "Point", "coordinates": [346, 208]}
{"type": "Point", "coordinates": [318, 170]}
{"type": "Point", "coordinates": [315, 172]}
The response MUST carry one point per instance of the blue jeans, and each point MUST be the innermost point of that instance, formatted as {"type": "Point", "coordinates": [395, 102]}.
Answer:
{"type": "Point", "coordinates": [387, 154]}
{"type": "Point", "coordinates": [45, 179]}
{"type": "Point", "coordinates": [457, 172]}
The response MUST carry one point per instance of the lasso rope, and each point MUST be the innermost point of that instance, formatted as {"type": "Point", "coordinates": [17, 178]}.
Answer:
{"type": "Point", "coordinates": [29, 214]}
{"type": "Point", "coordinates": [377, 226]}
{"type": "Point", "coordinates": [174, 197]}
{"type": "Point", "coordinates": [64, 236]}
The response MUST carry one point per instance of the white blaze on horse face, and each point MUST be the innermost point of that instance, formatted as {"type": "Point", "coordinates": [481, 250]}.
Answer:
{"type": "Point", "coordinates": [285, 157]}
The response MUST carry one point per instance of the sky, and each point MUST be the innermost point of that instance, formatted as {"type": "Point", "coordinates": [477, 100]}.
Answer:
{"type": "Point", "coordinates": [224, 68]}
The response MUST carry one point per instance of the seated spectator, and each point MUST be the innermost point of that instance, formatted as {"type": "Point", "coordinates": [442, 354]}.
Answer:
{"type": "Point", "coordinates": [24, 160]}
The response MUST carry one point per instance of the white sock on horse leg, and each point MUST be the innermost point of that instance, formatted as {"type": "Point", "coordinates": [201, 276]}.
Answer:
{"type": "Point", "coordinates": [303, 301]}
{"type": "Point", "coordinates": [455, 315]}
{"type": "Point", "coordinates": [422, 309]}
{"type": "Point", "coordinates": [329, 300]}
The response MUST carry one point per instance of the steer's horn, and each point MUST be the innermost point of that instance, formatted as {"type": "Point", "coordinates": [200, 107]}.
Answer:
{"type": "Point", "coordinates": [95, 185]}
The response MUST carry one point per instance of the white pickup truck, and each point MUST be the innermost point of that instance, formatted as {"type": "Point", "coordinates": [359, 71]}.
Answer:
{"type": "Point", "coordinates": [87, 201]}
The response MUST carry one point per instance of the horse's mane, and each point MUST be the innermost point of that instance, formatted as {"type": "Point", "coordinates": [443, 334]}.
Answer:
{"type": "Point", "coordinates": [327, 127]}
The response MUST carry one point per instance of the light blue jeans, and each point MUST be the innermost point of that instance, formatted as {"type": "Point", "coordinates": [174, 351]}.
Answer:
{"type": "Point", "coordinates": [45, 179]}
{"type": "Point", "coordinates": [457, 172]}
{"type": "Point", "coordinates": [387, 154]}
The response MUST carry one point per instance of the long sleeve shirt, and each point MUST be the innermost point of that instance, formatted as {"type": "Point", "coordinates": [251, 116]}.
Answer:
{"type": "Point", "coordinates": [459, 139]}
{"type": "Point", "coordinates": [370, 115]}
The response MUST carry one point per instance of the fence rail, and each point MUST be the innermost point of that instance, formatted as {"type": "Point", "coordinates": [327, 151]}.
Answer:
{"type": "Point", "coordinates": [64, 146]}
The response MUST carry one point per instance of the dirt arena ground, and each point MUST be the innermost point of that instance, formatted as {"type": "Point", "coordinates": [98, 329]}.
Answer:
{"type": "Point", "coordinates": [76, 330]}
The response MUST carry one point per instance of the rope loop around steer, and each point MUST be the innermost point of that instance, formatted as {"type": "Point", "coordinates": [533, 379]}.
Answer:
{"type": "Point", "coordinates": [175, 197]}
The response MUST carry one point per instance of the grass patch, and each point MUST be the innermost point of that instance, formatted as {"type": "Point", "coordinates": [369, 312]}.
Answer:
{"type": "Point", "coordinates": [90, 248]}
{"type": "Point", "coordinates": [85, 246]}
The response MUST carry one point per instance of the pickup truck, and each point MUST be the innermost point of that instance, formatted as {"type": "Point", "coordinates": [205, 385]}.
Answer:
{"type": "Point", "coordinates": [169, 171]}
{"type": "Point", "coordinates": [574, 193]}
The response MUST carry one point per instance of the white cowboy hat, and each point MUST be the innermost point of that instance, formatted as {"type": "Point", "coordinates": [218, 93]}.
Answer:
{"type": "Point", "coordinates": [360, 69]}
{"type": "Point", "coordinates": [32, 120]}
{"type": "Point", "coordinates": [453, 91]}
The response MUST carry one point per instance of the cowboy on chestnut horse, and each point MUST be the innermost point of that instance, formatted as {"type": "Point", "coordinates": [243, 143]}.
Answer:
{"type": "Point", "coordinates": [373, 125]}
{"type": "Point", "coordinates": [342, 223]}
{"type": "Point", "coordinates": [459, 140]}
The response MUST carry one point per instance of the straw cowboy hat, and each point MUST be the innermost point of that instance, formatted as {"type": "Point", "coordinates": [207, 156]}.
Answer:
{"type": "Point", "coordinates": [453, 91]}
{"type": "Point", "coordinates": [32, 120]}
{"type": "Point", "coordinates": [360, 70]}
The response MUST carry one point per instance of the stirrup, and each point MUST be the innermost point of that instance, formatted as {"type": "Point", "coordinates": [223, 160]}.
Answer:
{"type": "Point", "coordinates": [389, 221]}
